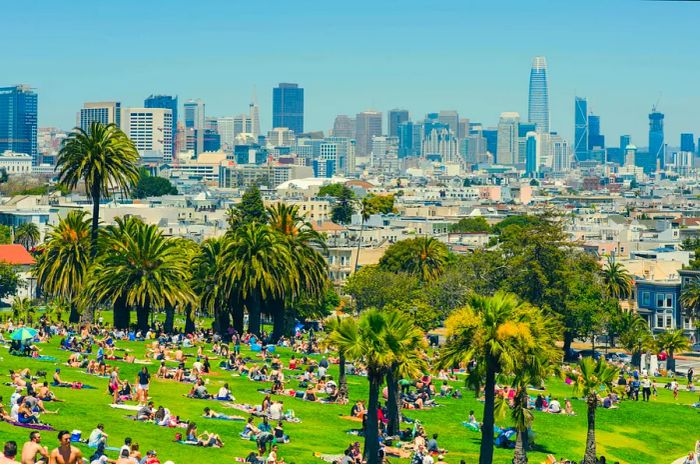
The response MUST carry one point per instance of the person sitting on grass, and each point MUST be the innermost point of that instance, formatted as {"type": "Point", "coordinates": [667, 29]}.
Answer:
{"type": "Point", "coordinates": [608, 402]}
{"type": "Point", "coordinates": [276, 410]}
{"type": "Point", "coordinates": [225, 394]}
{"type": "Point", "coordinates": [280, 436]}
{"type": "Point", "coordinates": [32, 448]}
{"type": "Point", "coordinates": [272, 457]}
{"type": "Point", "coordinates": [57, 382]}
{"type": "Point", "coordinates": [554, 407]}
{"type": "Point", "coordinates": [44, 393]}
{"type": "Point", "coordinates": [97, 436]}
{"type": "Point", "coordinates": [250, 429]}
{"type": "Point", "coordinates": [146, 413]}
{"type": "Point", "coordinates": [310, 394]}
{"type": "Point", "coordinates": [65, 453]}
{"type": "Point", "coordinates": [568, 409]}
{"type": "Point", "coordinates": [25, 415]}
{"type": "Point", "coordinates": [358, 410]}
{"type": "Point", "coordinates": [206, 439]}
{"type": "Point", "coordinates": [265, 426]}
{"type": "Point", "coordinates": [199, 391]}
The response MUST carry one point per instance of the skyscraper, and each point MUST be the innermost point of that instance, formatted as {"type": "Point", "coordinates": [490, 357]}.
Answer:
{"type": "Point", "coordinates": [625, 140]}
{"type": "Point", "coordinates": [656, 137]}
{"type": "Point", "coordinates": [151, 131]}
{"type": "Point", "coordinates": [396, 117]}
{"type": "Point", "coordinates": [406, 145]}
{"type": "Point", "coordinates": [225, 129]}
{"type": "Point", "coordinates": [507, 148]}
{"type": "Point", "coordinates": [103, 112]}
{"type": "Point", "coordinates": [18, 120]}
{"type": "Point", "coordinates": [288, 107]}
{"type": "Point", "coordinates": [532, 150]}
{"type": "Point", "coordinates": [595, 139]}
{"type": "Point", "coordinates": [688, 143]}
{"type": "Point", "coordinates": [165, 101]}
{"type": "Point", "coordinates": [538, 101]}
{"type": "Point", "coordinates": [254, 113]}
{"type": "Point", "coordinates": [451, 120]}
{"type": "Point", "coordinates": [367, 125]}
{"type": "Point", "coordinates": [344, 126]}
{"type": "Point", "coordinates": [195, 116]}
{"type": "Point", "coordinates": [580, 129]}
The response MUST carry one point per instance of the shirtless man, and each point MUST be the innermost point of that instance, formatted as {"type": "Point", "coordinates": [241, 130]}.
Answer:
{"type": "Point", "coordinates": [32, 448]}
{"type": "Point", "coordinates": [9, 452]}
{"type": "Point", "coordinates": [65, 453]}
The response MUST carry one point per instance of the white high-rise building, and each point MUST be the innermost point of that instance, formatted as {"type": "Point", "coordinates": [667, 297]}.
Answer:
{"type": "Point", "coordinates": [538, 101]}
{"type": "Point", "coordinates": [441, 142]}
{"type": "Point", "coordinates": [561, 153]}
{"type": "Point", "coordinates": [385, 153]}
{"type": "Point", "coordinates": [151, 131]}
{"type": "Point", "coordinates": [280, 137]}
{"type": "Point", "coordinates": [104, 112]}
{"type": "Point", "coordinates": [224, 126]}
{"type": "Point", "coordinates": [242, 124]}
{"type": "Point", "coordinates": [368, 124]}
{"type": "Point", "coordinates": [507, 147]}
{"type": "Point", "coordinates": [195, 118]}
{"type": "Point", "coordinates": [254, 115]}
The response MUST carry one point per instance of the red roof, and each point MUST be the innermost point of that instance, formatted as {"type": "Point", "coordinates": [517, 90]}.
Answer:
{"type": "Point", "coordinates": [16, 255]}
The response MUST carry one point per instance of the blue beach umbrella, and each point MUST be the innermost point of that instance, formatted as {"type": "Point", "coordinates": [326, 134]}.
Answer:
{"type": "Point", "coordinates": [23, 334]}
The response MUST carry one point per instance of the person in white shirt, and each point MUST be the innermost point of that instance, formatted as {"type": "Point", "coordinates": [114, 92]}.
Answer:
{"type": "Point", "coordinates": [554, 406]}
{"type": "Point", "coordinates": [97, 436]}
{"type": "Point", "coordinates": [276, 410]}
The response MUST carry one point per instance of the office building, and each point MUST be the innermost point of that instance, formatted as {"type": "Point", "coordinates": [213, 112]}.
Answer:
{"type": "Point", "coordinates": [396, 117]}
{"type": "Point", "coordinates": [211, 141]}
{"type": "Point", "coordinates": [254, 114]}
{"type": "Point", "coordinates": [368, 124]}
{"type": "Point", "coordinates": [538, 97]}
{"type": "Point", "coordinates": [225, 128]}
{"type": "Point", "coordinates": [463, 128]}
{"type": "Point", "coordinates": [15, 163]}
{"type": "Point", "coordinates": [580, 129]}
{"type": "Point", "coordinates": [441, 142]}
{"type": "Point", "coordinates": [385, 151]}
{"type": "Point", "coordinates": [491, 136]}
{"type": "Point", "coordinates": [625, 140]}
{"type": "Point", "coordinates": [195, 117]}
{"type": "Point", "coordinates": [151, 131]}
{"type": "Point", "coordinates": [561, 153]}
{"type": "Point", "coordinates": [344, 126]}
{"type": "Point", "coordinates": [169, 102]}
{"type": "Point", "coordinates": [103, 112]}
{"type": "Point", "coordinates": [656, 137]}
{"type": "Point", "coordinates": [280, 137]}
{"type": "Point", "coordinates": [405, 136]}
{"type": "Point", "coordinates": [596, 140]}
{"type": "Point", "coordinates": [507, 149]}
{"type": "Point", "coordinates": [523, 129]}
{"type": "Point", "coordinates": [242, 124]}
{"type": "Point", "coordinates": [451, 120]}
{"type": "Point", "coordinates": [688, 143]}
{"type": "Point", "coordinates": [288, 107]}
{"type": "Point", "coordinates": [18, 120]}
{"type": "Point", "coordinates": [532, 156]}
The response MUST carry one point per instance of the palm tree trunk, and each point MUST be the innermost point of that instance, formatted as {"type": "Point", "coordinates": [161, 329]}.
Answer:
{"type": "Point", "coordinates": [238, 317]}
{"type": "Point", "coordinates": [189, 320]}
{"type": "Point", "coordinates": [590, 456]}
{"type": "Point", "coordinates": [359, 244]}
{"type": "Point", "coordinates": [253, 316]}
{"type": "Point", "coordinates": [342, 379]}
{"type": "Point", "coordinates": [169, 319]}
{"type": "Point", "coordinates": [279, 320]}
{"type": "Point", "coordinates": [636, 358]}
{"type": "Point", "coordinates": [670, 361]}
{"type": "Point", "coordinates": [372, 430]}
{"type": "Point", "coordinates": [521, 439]}
{"type": "Point", "coordinates": [74, 317]}
{"type": "Point", "coordinates": [95, 217]}
{"type": "Point", "coordinates": [568, 339]}
{"type": "Point", "coordinates": [121, 313]}
{"type": "Point", "coordinates": [142, 318]}
{"type": "Point", "coordinates": [486, 450]}
{"type": "Point", "coordinates": [393, 403]}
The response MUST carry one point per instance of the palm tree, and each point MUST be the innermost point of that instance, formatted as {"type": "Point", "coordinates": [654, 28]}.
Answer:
{"type": "Point", "coordinates": [103, 158]}
{"type": "Point", "coordinates": [64, 259]}
{"type": "Point", "coordinates": [429, 259]}
{"type": "Point", "coordinates": [23, 309]}
{"type": "Point", "coordinates": [617, 280]}
{"type": "Point", "coordinates": [257, 269]}
{"type": "Point", "coordinates": [207, 266]}
{"type": "Point", "coordinates": [489, 330]}
{"type": "Point", "coordinates": [378, 340]}
{"type": "Point", "coordinates": [672, 341]}
{"type": "Point", "coordinates": [690, 300]}
{"type": "Point", "coordinates": [341, 329]}
{"type": "Point", "coordinates": [148, 270]}
{"type": "Point", "coordinates": [27, 235]}
{"type": "Point", "coordinates": [305, 246]}
{"type": "Point", "coordinates": [365, 209]}
{"type": "Point", "coordinates": [635, 335]}
{"type": "Point", "coordinates": [590, 378]}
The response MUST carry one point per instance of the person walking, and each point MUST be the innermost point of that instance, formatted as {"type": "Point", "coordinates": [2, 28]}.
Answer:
{"type": "Point", "coordinates": [646, 388]}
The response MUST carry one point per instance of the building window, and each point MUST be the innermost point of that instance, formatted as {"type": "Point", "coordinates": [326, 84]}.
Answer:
{"type": "Point", "coordinates": [660, 321]}
{"type": "Point", "coordinates": [669, 321]}
{"type": "Point", "coordinates": [645, 298]}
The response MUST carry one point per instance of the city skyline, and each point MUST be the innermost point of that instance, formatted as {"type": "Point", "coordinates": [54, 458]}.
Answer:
{"type": "Point", "coordinates": [488, 74]}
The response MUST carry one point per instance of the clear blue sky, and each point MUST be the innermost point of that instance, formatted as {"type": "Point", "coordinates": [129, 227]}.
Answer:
{"type": "Point", "coordinates": [472, 56]}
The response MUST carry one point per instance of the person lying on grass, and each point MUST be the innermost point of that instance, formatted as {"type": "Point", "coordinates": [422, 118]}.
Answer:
{"type": "Point", "coordinates": [205, 439]}
{"type": "Point", "coordinates": [217, 415]}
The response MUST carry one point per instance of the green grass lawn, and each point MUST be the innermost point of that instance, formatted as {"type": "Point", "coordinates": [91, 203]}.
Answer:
{"type": "Point", "coordinates": [656, 432]}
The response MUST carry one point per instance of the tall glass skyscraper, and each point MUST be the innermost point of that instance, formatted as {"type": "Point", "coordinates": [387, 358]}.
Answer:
{"type": "Point", "coordinates": [18, 120]}
{"type": "Point", "coordinates": [688, 142]}
{"type": "Point", "coordinates": [288, 107]}
{"type": "Point", "coordinates": [163, 101]}
{"type": "Point", "coordinates": [656, 137]}
{"type": "Point", "coordinates": [538, 100]}
{"type": "Point", "coordinates": [580, 128]}
{"type": "Point", "coordinates": [396, 117]}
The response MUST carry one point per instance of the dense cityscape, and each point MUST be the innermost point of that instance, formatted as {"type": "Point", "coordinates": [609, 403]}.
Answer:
{"type": "Point", "coordinates": [181, 284]}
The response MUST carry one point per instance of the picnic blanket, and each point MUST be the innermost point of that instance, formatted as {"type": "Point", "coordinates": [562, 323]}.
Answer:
{"type": "Point", "coordinates": [75, 386]}
{"type": "Point", "coordinates": [128, 407]}
{"type": "Point", "coordinates": [332, 458]}
{"type": "Point", "coordinates": [227, 418]}
{"type": "Point", "coordinates": [352, 418]}
{"type": "Point", "coordinates": [46, 358]}
{"type": "Point", "coordinates": [31, 426]}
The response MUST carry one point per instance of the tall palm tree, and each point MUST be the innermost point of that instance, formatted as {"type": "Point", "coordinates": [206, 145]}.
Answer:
{"type": "Point", "coordinates": [690, 300]}
{"type": "Point", "coordinates": [64, 259]}
{"type": "Point", "coordinates": [257, 269]}
{"type": "Point", "coordinates": [341, 329]}
{"type": "Point", "coordinates": [27, 235]}
{"type": "Point", "coordinates": [672, 341]}
{"type": "Point", "coordinates": [207, 267]}
{"type": "Point", "coordinates": [305, 246]}
{"type": "Point", "coordinates": [377, 339]}
{"type": "Point", "coordinates": [489, 330]}
{"type": "Point", "coordinates": [617, 280]}
{"type": "Point", "coordinates": [22, 309]}
{"type": "Point", "coordinates": [149, 270]}
{"type": "Point", "coordinates": [103, 158]}
{"type": "Point", "coordinates": [635, 335]}
{"type": "Point", "coordinates": [590, 378]}
{"type": "Point", "coordinates": [364, 207]}
{"type": "Point", "coordinates": [429, 259]}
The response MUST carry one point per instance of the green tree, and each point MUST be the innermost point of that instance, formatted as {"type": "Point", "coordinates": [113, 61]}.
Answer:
{"type": "Point", "coordinates": [104, 159]}
{"type": "Point", "coordinates": [635, 335]}
{"type": "Point", "coordinates": [690, 298]}
{"type": "Point", "coordinates": [491, 331]}
{"type": "Point", "coordinates": [336, 190]}
{"type": "Point", "coordinates": [23, 309]}
{"type": "Point", "coordinates": [207, 271]}
{"type": "Point", "coordinates": [588, 379]}
{"type": "Point", "coordinates": [5, 235]}
{"type": "Point", "coordinates": [471, 224]}
{"type": "Point", "coordinates": [3, 175]}
{"type": "Point", "coordinates": [250, 209]}
{"type": "Point", "coordinates": [153, 186]}
{"type": "Point", "coordinates": [372, 287]}
{"type": "Point", "coordinates": [519, 220]}
{"type": "Point", "coordinates": [27, 235]}
{"type": "Point", "coordinates": [672, 342]}
{"type": "Point", "coordinates": [340, 329]}
{"type": "Point", "coordinates": [369, 205]}
{"type": "Point", "coordinates": [343, 208]}
{"type": "Point", "coordinates": [618, 282]}
{"type": "Point", "coordinates": [424, 257]}
{"type": "Point", "coordinates": [10, 280]}
{"type": "Point", "coordinates": [258, 269]}
{"type": "Point", "coordinates": [149, 270]}
{"type": "Point", "coordinates": [64, 258]}
{"type": "Point", "coordinates": [420, 312]}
